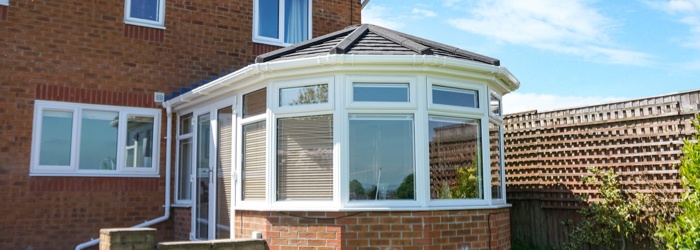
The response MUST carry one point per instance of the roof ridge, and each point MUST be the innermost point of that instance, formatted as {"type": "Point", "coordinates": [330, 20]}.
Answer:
{"type": "Point", "coordinates": [402, 40]}
{"type": "Point", "coordinates": [455, 50]}
{"type": "Point", "coordinates": [349, 40]}
{"type": "Point", "coordinates": [302, 45]}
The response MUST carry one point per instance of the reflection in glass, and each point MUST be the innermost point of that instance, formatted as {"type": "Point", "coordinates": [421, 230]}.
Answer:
{"type": "Point", "coordinates": [455, 97]}
{"type": "Point", "coordinates": [56, 138]}
{"type": "Point", "coordinates": [98, 140]}
{"type": "Point", "coordinates": [139, 141]}
{"type": "Point", "coordinates": [268, 18]}
{"type": "Point", "coordinates": [495, 145]}
{"type": "Point", "coordinates": [455, 171]}
{"type": "Point", "coordinates": [145, 9]}
{"type": "Point", "coordinates": [185, 169]}
{"type": "Point", "coordinates": [381, 157]}
{"type": "Point", "coordinates": [495, 105]}
{"type": "Point", "coordinates": [186, 124]}
{"type": "Point", "coordinates": [304, 95]}
{"type": "Point", "coordinates": [376, 92]}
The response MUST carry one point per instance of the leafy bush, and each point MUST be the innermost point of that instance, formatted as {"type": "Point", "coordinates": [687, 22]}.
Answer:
{"type": "Point", "coordinates": [406, 189]}
{"type": "Point", "coordinates": [684, 231]}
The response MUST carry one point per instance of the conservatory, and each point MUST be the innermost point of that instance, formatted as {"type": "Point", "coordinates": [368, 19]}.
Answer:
{"type": "Point", "coordinates": [364, 119]}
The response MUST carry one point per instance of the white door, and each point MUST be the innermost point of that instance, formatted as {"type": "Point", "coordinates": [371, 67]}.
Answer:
{"type": "Point", "coordinates": [213, 177]}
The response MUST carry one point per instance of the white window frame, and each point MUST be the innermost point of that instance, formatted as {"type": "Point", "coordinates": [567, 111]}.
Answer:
{"type": "Point", "coordinates": [5, 2]}
{"type": "Point", "coordinates": [240, 123]}
{"type": "Point", "coordinates": [73, 169]}
{"type": "Point", "coordinates": [502, 200]}
{"type": "Point", "coordinates": [499, 97]}
{"type": "Point", "coordinates": [158, 24]}
{"type": "Point", "coordinates": [412, 103]}
{"type": "Point", "coordinates": [443, 82]}
{"type": "Point", "coordinates": [277, 41]}
{"type": "Point", "coordinates": [274, 95]}
{"type": "Point", "coordinates": [181, 137]}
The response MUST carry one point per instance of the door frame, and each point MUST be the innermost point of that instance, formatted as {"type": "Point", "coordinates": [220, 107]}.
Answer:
{"type": "Point", "coordinates": [212, 109]}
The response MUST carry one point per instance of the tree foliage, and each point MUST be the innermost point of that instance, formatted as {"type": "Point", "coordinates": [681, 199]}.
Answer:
{"type": "Point", "coordinates": [683, 232]}
{"type": "Point", "coordinates": [465, 185]}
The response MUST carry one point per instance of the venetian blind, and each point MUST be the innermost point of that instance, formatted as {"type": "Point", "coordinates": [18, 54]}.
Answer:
{"type": "Point", "coordinates": [305, 158]}
{"type": "Point", "coordinates": [254, 161]}
{"type": "Point", "coordinates": [223, 173]}
{"type": "Point", "coordinates": [255, 103]}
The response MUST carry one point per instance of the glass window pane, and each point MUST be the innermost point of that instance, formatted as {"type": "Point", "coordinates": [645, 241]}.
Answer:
{"type": "Point", "coordinates": [139, 141]}
{"type": "Point", "coordinates": [223, 172]}
{"type": "Point", "coordinates": [304, 95]}
{"type": "Point", "coordinates": [268, 18]}
{"type": "Point", "coordinates": [305, 158]}
{"type": "Point", "coordinates": [202, 179]}
{"type": "Point", "coordinates": [186, 124]}
{"type": "Point", "coordinates": [145, 9]}
{"type": "Point", "coordinates": [495, 105]}
{"type": "Point", "coordinates": [98, 140]}
{"type": "Point", "coordinates": [296, 18]}
{"type": "Point", "coordinates": [455, 171]}
{"type": "Point", "coordinates": [56, 138]}
{"type": "Point", "coordinates": [381, 158]}
{"type": "Point", "coordinates": [255, 103]}
{"type": "Point", "coordinates": [185, 170]}
{"type": "Point", "coordinates": [495, 146]}
{"type": "Point", "coordinates": [455, 97]}
{"type": "Point", "coordinates": [254, 161]}
{"type": "Point", "coordinates": [369, 92]}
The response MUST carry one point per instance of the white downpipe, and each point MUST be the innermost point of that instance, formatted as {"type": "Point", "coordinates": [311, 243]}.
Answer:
{"type": "Point", "coordinates": [166, 206]}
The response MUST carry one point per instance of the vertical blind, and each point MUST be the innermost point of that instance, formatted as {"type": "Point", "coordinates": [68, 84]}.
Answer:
{"type": "Point", "coordinates": [254, 161]}
{"type": "Point", "coordinates": [305, 158]}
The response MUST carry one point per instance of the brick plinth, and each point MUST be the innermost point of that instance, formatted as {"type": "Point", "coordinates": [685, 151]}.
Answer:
{"type": "Point", "coordinates": [454, 229]}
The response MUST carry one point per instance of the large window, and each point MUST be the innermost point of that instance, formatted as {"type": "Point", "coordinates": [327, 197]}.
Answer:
{"type": "Point", "coordinates": [81, 139]}
{"type": "Point", "coordinates": [254, 163]}
{"type": "Point", "coordinates": [149, 13]}
{"type": "Point", "coordinates": [281, 22]}
{"type": "Point", "coordinates": [305, 158]}
{"type": "Point", "coordinates": [381, 157]}
{"type": "Point", "coordinates": [454, 153]}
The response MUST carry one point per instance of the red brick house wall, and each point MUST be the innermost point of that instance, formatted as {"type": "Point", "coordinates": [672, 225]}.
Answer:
{"type": "Point", "coordinates": [81, 51]}
{"type": "Point", "coordinates": [451, 229]}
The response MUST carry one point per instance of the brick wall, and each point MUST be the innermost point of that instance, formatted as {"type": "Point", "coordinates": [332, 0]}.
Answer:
{"type": "Point", "coordinates": [182, 223]}
{"type": "Point", "coordinates": [476, 229]}
{"type": "Point", "coordinates": [81, 51]}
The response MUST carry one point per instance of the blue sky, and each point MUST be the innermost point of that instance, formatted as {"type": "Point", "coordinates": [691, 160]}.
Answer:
{"type": "Point", "coordinates": [565, 53]}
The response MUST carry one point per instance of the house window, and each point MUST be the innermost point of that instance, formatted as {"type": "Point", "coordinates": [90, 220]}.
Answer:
{"type": "Point", "coordinates": [94, 140]}
{"type": "Point", "coordinates": [282, 22]}
{"type": "Point", "coordinates": [148, 13]}
{"type": "Point", "coordinates": [454, 153]}
{"type": "Point", "coordinates": [381, 157]}
{"type": "Point", "coordinates": [380, 92]}
{"type": "Point", "coordinates": [305, 158]}
{"type": "Point", "coordinates": [184, 167]}
{"type": "Point", "coordinates": [254, 163]}
{"type": "Point", "coordinates": [455, 97]}
{"type": "Point", "coordinates": [495, 145]}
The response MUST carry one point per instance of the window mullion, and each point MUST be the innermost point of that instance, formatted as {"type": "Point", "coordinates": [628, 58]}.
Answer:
{"type": "Point", "coordinates": [78, 123]}
{"type": "Point", "coordinates": [121, 142]}
{"type": "Point", "coordinates": [486, 161]}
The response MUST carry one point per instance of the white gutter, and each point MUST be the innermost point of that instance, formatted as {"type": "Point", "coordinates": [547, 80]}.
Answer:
{"type": "Point", "coordinates": [319, 64]}
{"type": "Point", "coordinates": [166, 206]}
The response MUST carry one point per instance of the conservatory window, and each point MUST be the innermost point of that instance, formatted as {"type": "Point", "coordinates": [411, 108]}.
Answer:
{"type": "Point", "coordinates": [495, 145]}
{"type": "Point", "coordinates": [455, 165]}
{"type": "Point", "coordinates": [82, 139]}
{"type": "Point", "coordinates": [495, 104]}
{"type": "Point", "coordinates": [381, 157]}
{"type": "Point", "coordinates": [378, 92]}
{"type": "Point", "coordinates": [305, 158]}
{"type": "Point", "coordinates": [303, 95]}
{"type": "Point", "coordinates": [455, 97]}
{"type": "Point", "coordinates": [184, 185]}
{"type": "Point", "coordinates": [254, 168]}
{"type": "Point", "coordinates": [255, 103]}
{"type": "Point", "coordinates": [282, 22]}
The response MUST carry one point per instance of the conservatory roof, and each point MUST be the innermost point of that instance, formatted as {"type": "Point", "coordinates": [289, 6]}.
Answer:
{"type": "Point", "coordinates": [368, 39]}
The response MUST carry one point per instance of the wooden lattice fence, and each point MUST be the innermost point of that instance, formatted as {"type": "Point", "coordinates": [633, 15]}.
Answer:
{"type": "Point", "coordinates": [547, 153]}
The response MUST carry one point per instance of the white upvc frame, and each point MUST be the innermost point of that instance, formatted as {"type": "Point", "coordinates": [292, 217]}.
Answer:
{"type": "Point", "coordinates": [158, 24]}
{"type": "Point", "coordinates": [181, 137]}
{"type": "Point", "coordinates": [502, 200]}
{"type": "Point", "coordinates": [73, 169]}
{"type": "Point", "coordinates": [277, 41]}
{"type": "Point", "coordinates": [240, 123]}
{"type": "Point", "coordinates": [458, 84]}
{"type": "Point", "coordinates": [353, 105]}
{"type": "Point", "coordinates": [276, 87]}
{"type": "Point", "coordinates": [5, 2]}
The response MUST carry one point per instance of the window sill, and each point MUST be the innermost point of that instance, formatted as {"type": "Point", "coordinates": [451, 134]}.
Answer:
{"type": "Point", "coordinates": [125, 175]}
{"type": "Point", "coordinates": [373, 209]}
{"type": "Point", "coordinates": [181, 205]}
{"type": "Point", "coordinates": [155, 26]}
